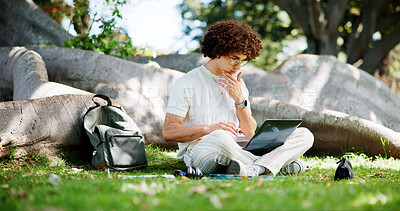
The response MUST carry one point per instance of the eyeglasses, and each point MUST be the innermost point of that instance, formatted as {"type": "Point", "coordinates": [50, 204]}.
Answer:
{"type": "Point", "coordinates": [237, 61]}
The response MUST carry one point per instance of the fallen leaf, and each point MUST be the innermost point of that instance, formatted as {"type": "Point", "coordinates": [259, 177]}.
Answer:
{"type": "Point", "coordinates": [54, 179]}
{"type": "Point", "coordinates": [378, 174]}
{"type": "Point", "coordinates": [75, 170]}
{"type": "Point", "coordinates": [144, 188]}
{"type": "Point", "coordinates": [86, 173]}
{"type": "Point", "coordinates": [185, 178]}
{"type": "Point", "coordinates": [258, 184]}
{"type": "Point", "coordinates": [215, 201]}
{"type": "Point", "coordinates": [136, 201]}
{"type": "Point", "coordinates": [127, 186]}
{"type": "Point", "coordinates": [22, 195]}
{"type": "Point", "coordinates": [5, 177]}
{"type": "Point", "coordinates": [201, 189]}
{"type": "Point", "coordinates": [116, 175]}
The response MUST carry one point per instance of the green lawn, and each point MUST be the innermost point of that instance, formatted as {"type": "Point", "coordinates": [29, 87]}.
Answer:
{"type": "Point", "coordinates": [37, 183]}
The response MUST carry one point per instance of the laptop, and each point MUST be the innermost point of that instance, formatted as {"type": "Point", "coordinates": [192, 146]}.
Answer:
{"type": "Point", "coordinates": [272, 134]}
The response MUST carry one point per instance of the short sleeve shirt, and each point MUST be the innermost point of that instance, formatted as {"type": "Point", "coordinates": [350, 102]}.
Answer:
{"type": "Point", "coordinates": [198, 98]}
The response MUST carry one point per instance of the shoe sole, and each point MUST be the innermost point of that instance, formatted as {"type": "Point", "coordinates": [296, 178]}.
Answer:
{"type": "Point", "coordinates": [233, 168]}
{"type": "Point", "coordinates": [289, 170]}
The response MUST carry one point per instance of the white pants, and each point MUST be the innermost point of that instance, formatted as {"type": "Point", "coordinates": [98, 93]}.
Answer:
{"type": "Point", "coordinates": [220, 148]}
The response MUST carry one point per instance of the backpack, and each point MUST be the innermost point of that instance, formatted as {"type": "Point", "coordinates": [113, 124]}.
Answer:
{"type": "Point", "coordinates": [117, 140]}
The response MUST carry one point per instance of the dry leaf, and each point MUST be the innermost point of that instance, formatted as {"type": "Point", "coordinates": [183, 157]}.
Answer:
{"type": "Point", "coordinates": [259, 182]}
{"type": "Point", "coordinates": [201, 189]}
{"type": "Point", "coordinates": [135, 201]}
{"type": "Point", "coordinates": [185, 178]}
{"type": "Point", "coordinates": [215, 201]}
{"type": "Point", "coordinates": [86, 173]}
{"type": "Point", "coordinates": [144, 188]}
{"type": "Point", "coordinates": [54, 179]}
{"type": "Point", "coordinates": [75, 171]}
{"type": "Point", "coordinates": [5, 177]}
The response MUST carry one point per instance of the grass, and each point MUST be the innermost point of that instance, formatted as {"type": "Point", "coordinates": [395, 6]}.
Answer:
{"type": "Point", "coordinates": [38, 183]}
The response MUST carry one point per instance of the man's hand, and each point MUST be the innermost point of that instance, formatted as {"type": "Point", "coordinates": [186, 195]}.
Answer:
{"type": "Point", "coordinates": [233, 86]}
{"type": "Point", "coordinates": [224, 125]}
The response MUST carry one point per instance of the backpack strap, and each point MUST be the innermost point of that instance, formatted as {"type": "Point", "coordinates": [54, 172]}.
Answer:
{"type": "Point", "coordinates": [109, 103]}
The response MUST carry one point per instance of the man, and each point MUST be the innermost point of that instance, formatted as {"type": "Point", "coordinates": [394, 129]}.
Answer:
{"type": "Point", "coordinates": [209, 107]}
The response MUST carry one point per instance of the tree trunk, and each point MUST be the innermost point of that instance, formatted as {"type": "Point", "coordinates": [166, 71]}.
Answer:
{"type": "Point", "coordinates": [334, 132]}
{"type": "Point", "coordinates": [49, 126]}
{"type": "Point", "coordinates": [314, 83]}
{"type": "Point", "coordinates": [23, 23]}
{"type": "Point", "coordinates": [376, 54]}
{"type": "Point", "coordinates": [27, 73]}
{"type": "Point", "coordinates": [141, 90]}
{"type": "Point", "coordinates": [320, 25]}
{"type": "Point", "coordinates": [82, 21]}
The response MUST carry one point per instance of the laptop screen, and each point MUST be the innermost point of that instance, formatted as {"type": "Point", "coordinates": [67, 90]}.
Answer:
{"type": "Point", "coordinates": [271, 134]}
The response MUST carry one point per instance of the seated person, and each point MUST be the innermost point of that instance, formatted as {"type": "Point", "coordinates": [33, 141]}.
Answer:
{"type": "Point", "coordinates": [209, 106]}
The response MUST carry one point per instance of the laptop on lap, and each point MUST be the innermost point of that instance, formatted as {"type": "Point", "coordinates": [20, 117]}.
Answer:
{"type": "Point", "coordinates": [272, 134]}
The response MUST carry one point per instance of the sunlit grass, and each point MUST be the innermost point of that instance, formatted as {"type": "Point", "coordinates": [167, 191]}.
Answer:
{"type": "Point", "coordinates": [38, 183]}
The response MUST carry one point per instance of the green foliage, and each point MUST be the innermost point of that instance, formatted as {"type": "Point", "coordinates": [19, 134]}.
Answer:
{"type": "Point", "coordinates": [266, 18]}
{"type": "Point", "coordinates": [39, 184]}
{"type": "Point", "coordinates": [383, 145]}
{"type": "Point", "coordinates": [394, 67]}
{"type": "Point", "coordinates": [110, 40]}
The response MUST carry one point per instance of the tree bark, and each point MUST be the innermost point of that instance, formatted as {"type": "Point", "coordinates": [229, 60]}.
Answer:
{"type": "Point", "coordinates": [374, 55]}
{"type": "Point", "coordinates": [320, 25]}
{"type": "Point", "coordinates": [23, 23]}
{"type": "Point", "coordinates": [334, 132]}
{"type": "Point", "coordinates": [362, 35]}
{"type": "Point", "coordinates": [35, 125]}
{"type": "Point", "coordinates": [81, 22]}
{"type": "Point", "coordinates": [314, 83]}
{"type": "Point", "coordinates": [27, 73]}
{"type": "Point", "coordinates": [48, 126]}
{"type": "Point", "coordinates": [140, 89]}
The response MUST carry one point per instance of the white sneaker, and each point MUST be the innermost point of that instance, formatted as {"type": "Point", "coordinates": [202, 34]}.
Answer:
{"type": "Point", "coordinates": [237, 167]}
{"type": "Point", "coordinates": [295, 167]}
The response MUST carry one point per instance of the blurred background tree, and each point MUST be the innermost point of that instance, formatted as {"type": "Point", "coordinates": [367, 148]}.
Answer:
{"type": "Point", "coordinates": [363, 33]}
{"type": "Point", "coordinates": [111, 40]}
{"type": "Point", "coordinates": [267, 19]}
{"type": "Point", "coordinates": [360, 32]}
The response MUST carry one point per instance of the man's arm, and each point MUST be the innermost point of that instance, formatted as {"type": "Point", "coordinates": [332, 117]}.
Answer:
{"type": "Point", "coordinates": [246, 122]}
{"type": "Point", "coordinates": [173, 130]}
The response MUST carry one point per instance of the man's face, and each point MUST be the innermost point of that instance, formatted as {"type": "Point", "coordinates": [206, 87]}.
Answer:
{"type": "Point", "coordinates": [231, 63]}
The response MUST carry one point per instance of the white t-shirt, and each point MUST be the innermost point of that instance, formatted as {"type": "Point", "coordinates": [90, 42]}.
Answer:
{"type": "Point", "coordinates": [198, 98]}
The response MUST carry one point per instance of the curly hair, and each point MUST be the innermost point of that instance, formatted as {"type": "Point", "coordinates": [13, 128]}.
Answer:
{"type": "Point", "coordinates": [226, 37]}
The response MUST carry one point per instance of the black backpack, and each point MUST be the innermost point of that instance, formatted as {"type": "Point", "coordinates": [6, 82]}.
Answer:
{"type": "Point", "coordinates": [117, 140]}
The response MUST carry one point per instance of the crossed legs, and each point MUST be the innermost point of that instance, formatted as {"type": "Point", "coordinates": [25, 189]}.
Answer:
{"type": "Point", "coordinates": [219, 148]}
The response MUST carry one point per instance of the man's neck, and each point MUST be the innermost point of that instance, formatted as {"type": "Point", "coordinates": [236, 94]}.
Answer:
{"type": "Point", "coordinates": [212, 66]}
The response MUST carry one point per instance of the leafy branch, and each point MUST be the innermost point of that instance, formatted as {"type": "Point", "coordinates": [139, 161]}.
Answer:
{"type": "Point", "coordinates": [111, 40]}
